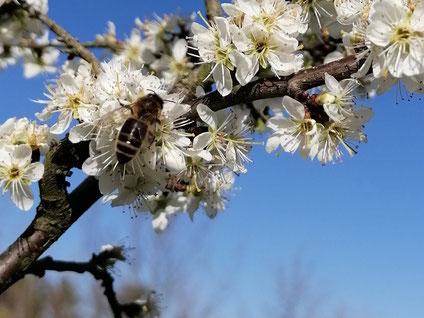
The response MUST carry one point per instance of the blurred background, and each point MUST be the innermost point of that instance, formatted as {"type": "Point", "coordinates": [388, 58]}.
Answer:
{"type": "Point", "coordinates": [298, 240]}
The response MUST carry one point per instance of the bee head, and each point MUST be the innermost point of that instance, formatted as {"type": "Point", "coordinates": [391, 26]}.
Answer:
{"type": "Point", "coordinates": [149, 104]}
{"type": "Point", "coordinates": [155, 99]}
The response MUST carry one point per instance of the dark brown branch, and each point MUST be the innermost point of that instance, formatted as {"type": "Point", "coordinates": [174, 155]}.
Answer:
{"type": "Point", "coordinates": [97, 267]}
{"type": "Point", "coordinates": [56, 212]}
{"type": "Point", "coordinates": [294, 85]}
{"type": "Point", "coordinates": [73, 45]}
{"type": "Point", "coordinates": [213, 9]}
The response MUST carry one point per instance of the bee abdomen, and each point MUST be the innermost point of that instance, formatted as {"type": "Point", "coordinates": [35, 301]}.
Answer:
{"type": "Point", "coordinates": [129, 140]}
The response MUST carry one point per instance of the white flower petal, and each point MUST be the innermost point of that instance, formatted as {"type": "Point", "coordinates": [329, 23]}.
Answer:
{"type": "Point", "coordinates": [222, 77]}
{"type": "Point", "coordinates": [294, 108]}
{"type": "Point", "coordinates": [202, 140]}
{"type": "Point", "coordinates": [21, 196]}
{"type": "Point", "coordinates": [273, 143]}
{"type": "Point", "coordinates": [35, 171]}
{"type": "Point", "coordinates": [63, 123]}
{"type": "Point", "coordinates": [160, 221]}
{"type": "Point", "coordinates": [207, 115]}
{"type": "Point", "coordinates": [179, 50]}
{"type": "Point", "coordinates": [174, 160]}
{"type": "Point", "coordinates": [22, 155]}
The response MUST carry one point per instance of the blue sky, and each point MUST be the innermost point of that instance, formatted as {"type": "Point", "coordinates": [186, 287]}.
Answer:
{"type": "Point", "coordinates": [356, 225]}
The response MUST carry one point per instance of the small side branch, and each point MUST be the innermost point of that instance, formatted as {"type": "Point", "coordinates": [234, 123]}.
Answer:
{"type": "Point", "coordinates": [98, 267]}
{"type": "Point", "coordinates": [72, 44]}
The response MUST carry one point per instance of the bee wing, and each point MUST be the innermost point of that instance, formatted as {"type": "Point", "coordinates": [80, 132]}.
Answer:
{"type": "Point", "coordinates": [115, 116]}
{"type": "Point", "coordinates": [147, 129]}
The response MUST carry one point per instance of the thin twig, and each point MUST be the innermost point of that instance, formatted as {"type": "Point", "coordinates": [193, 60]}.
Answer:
{"type": "Point", "coordinates": [31, 44]}
{"type": "Point", "coordinates": [213, 9]}
{"type": "Point", "coordinates": [74, 46]}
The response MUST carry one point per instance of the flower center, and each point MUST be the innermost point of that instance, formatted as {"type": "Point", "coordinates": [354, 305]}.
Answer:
{"type": "Point", "coordinates": [261, 48]}
{"type": "Point", "coordinates": [33, 142]}
{"type": "Point", "coordinates": [222, 54]}
{"type": "Point", "coordinates": [14, 173]}
{"type": "Point", "coordinates": [74, 103]}
{"type": "Point", "coordinates": [306, 126]}
{"type": "Point", "coordinates": [181, 67]}
{"type": "Point", "coordinates": [403, 34]}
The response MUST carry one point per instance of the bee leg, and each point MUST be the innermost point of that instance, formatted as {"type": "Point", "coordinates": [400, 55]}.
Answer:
{"type": "Point", "coordinates": [123, 105]}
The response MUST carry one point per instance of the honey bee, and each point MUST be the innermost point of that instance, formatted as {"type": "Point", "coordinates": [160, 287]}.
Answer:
{"type": "Point", "coordinates": [139, 129]}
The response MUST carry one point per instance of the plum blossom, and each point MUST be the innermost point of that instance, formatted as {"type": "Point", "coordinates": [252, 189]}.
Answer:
{"type": "Point", "coordinates": [326, 143]}
{"type": "Point", "coordinates": [399, 32]}
{"type": "Point", "coordinates": [72, 97]}
{"type": "Point", "coordinates": [214, 46]}
{"type": "Point", "coordinates": [22, 131]}
{"type": "Point", "coordinates": [17, 173]}
{"type": "Point", "coordinates": [294, 133]}
{"type": "Point", "coordinates": [338, 98]}
{"type": "Point", "coordinates": [176, 65]}
{"type": "Point", "coordinates": [225, 138]}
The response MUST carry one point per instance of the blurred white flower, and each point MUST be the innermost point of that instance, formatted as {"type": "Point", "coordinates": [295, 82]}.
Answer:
{"type": "Point", "coordinates": [22, 131]}
{"type": "Point", "coordinates": [174, 66]}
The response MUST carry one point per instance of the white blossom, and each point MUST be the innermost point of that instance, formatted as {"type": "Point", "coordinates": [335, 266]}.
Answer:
{"type": "Point", "coordinates": [338, 99]}
{"type": "Point", "coordinates": [294, 133]}
{"type": "Point", "coordinates": [225, 138]}
{"type": "Point", "coordinates": [214, 46]}
{"type": "Point", "coordinates": [136, 50]}
{"type": "Point", "coordinates": [17, 173]}
{"type": "Point", "coordinates": [399, 32]}
{"type": "Point", "coordinates": [72, 97]}
{"type": "Point", "coordinates": [326, 143]}
{"type": "Point", "coordinates": [176, 65]}
{"type": "Point", "coordinates": [22, 131]}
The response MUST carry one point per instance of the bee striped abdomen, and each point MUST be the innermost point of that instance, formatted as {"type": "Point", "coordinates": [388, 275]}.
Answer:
{"type": "Point", "coordinates": [129, 139]}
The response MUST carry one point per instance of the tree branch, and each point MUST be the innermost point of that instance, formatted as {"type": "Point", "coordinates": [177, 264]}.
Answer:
{"type": "Point", "coordinates": [213, 9]}
{"type": "Point", "coordinates": [294, 85]}
{"type": "Point", "coordinates": [56, 212]}
{"type": "Point", "coordinates": [74, 46]}
{"type": "Point", "coordinates": [31, 44]}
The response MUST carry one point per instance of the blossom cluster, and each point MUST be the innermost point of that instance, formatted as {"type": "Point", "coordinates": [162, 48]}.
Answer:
{"type": "Point", "coordinates": [256, 36]}
{"type": "Point", "coordinates": [319, 132]}
{"type": "Point", "coordinates": [21, 144]}
{"type": "Point", "coordinates": [23, 37]}
{"type": "Point", "coordinates": [179, 170]}
{"type": "Point", "coordinates": [179, 164]}
{"type": "Point", "coordinates": [390, 36]}
{"type": "Point", "coordinates": [158, 45]}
